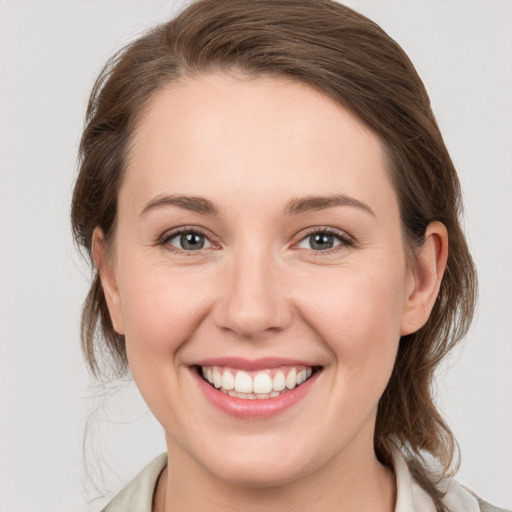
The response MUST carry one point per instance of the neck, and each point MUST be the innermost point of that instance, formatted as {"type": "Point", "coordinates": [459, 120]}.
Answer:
{"type": "Point", "coordinates": [349, 482]}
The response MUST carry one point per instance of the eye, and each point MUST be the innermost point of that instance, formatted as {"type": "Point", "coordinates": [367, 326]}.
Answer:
{"type": "Point", "coordinates": [324, 240]}
{"type": "Point", "coordinates": [188, 241]}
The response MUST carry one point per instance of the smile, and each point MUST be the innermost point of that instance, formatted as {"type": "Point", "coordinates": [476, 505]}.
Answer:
{"type": "Point", "coordinates": [259, 385]}
{"type": "Point", "coordinates": [254, 390]}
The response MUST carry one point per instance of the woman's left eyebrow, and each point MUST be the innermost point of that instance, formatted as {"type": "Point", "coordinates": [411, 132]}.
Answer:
{"type": "Point", "coordinates": [312, 203]}
{"type": "Point", "coordinates": [193, 203]}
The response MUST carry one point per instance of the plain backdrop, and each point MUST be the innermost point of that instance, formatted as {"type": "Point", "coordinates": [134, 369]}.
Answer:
{"type": "Point", "coordinates": [51, 52]}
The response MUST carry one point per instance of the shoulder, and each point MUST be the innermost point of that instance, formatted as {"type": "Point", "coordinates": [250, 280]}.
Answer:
{"type": "Point", "coordinates": [459, 498]}
{"type": "Point", "coordinates": [487, 507]}
{"type": "Point", "coordinates": [411, 497]}
{"type": "Point", "coordinates": [137, 496]}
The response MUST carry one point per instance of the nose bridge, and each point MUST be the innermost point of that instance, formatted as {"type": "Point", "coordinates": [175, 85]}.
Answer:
{"type": "Point", "coordinates": [253, 301]}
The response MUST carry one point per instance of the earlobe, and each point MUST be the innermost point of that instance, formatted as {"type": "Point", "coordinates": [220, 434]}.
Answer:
{"type": "Point", "coordinates": [108, 280]}
{"type": "Point", "coordinates": [426, 275]}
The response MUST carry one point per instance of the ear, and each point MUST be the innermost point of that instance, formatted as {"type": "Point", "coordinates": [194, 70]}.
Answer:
{"type": "Point", "coordinates": [108, 280]}
{"type": "Point", "coordinates": [426, 275]}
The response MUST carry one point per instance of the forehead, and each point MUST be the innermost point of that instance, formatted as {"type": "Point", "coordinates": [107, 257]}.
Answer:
{"type": "Point", "coordinates": [227, 135]}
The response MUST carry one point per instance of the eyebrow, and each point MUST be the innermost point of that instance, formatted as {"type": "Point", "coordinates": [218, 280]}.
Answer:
{"type": "Point", "coordinates": [193, 203]}
{"type": "Point", "coordinates": [312, 203]}
{"type": "Point", "coordinates": [294, 206]}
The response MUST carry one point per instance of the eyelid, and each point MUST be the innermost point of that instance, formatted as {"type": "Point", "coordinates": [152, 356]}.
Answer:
{"type": "Point", "coordinates": [174, 232]}
{"type": "Point", "coordinates": [345, 239]}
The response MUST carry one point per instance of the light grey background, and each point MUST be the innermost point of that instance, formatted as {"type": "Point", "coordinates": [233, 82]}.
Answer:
{"type": "Point", "coordinates": [51, 52]}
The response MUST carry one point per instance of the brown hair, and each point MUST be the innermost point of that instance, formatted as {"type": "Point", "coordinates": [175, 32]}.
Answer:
{"type": "Point", "coordinates": [351, 59]}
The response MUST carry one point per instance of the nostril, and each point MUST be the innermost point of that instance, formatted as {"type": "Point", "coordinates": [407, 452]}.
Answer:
{"type": "Point", "coordinates": [253, 303]}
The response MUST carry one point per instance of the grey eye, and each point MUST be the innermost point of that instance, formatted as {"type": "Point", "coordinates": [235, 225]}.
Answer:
{"type": "Point", "coordinates": [320, 241]}
{"type": "Point", "coordinates": [189, 241]}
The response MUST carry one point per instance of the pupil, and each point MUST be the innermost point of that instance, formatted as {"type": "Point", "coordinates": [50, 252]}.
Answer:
{"type": "Point", "coordinates": [192, 241]}
{"type": "Point", "coordinates": [321, 241]}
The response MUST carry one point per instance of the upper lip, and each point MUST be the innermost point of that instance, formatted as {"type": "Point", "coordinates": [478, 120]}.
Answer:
{"type": "Point", "coordinates": [262, 363]}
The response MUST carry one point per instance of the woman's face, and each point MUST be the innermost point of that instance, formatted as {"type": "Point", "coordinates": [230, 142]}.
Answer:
{"type": "Point", "coordinates": [258, 237]}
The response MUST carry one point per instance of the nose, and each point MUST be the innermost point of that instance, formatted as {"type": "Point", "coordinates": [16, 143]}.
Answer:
{"type": "Point", "coordinates": [253, 301]}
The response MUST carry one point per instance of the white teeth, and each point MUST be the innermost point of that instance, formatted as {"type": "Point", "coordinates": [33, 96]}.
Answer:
{"type": "Point", "coordinates": [301, 377]}
{"type": "Point", "coordinates": [243, 382]}
{"type": "Point", "coordinates": [252, 396]}
{"type": "Point", "coordinates": [228, 381]}
{"type": "Point", "coordinates": [262, 383]}
{"type": "Point", "coordinates": [217, 378]}
{"type": "Point", "coordinates": [278, 382]}
{"type": "Point", "coordinates": [247, 396]}
{"type": "Point", "coordinates": [291, 379]}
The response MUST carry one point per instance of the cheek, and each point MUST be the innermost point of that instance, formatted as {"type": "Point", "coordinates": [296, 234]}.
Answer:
{"type": "Point", "coordinates": [357, 313]}
{"type": "Point", "coordinates": [355, 300]}
{"type": "Point", "coordinates": [361, 326]}
{"type": "Point", "coordinates": [161, 309]}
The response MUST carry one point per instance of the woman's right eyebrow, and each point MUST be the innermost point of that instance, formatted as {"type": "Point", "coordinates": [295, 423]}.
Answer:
{"type": "Point", "coordinates": [193, 203]}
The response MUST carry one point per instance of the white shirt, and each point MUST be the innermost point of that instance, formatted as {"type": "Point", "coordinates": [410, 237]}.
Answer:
{"type": "Point", "coordinates": [410, 497]}
{"type": "Point", "coordinates": [137, 496]}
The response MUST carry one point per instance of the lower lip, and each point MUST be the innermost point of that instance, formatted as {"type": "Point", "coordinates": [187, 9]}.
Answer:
{"type": "Point", "coordinates": [257, 408]}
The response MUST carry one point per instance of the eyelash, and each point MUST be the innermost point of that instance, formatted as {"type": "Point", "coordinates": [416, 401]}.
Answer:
{"type": "Point", "coordinates": [345, 240]}
{"type": "Point", "coordinates": [166, 237]}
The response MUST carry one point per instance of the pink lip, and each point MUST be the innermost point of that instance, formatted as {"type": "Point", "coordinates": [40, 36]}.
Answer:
{"type": "Point", "coordinates": [252, 364]}
{"type": "Point", "coordinates": [253, 409]}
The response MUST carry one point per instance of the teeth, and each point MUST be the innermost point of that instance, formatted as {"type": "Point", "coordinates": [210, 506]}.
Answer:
{"type": "Point", "coordinates": [301, 377]}
{"type": "Point", "coordinates": [291, 379]}
{"type": "Point", "coordinates": [241, 384]}
{"type": "Point", "coordinates": [262, 383]}
{"type": "Point", "coordinates": [252, 396]}
{"type": "Point", "coordinates": [217, 378]}
{"type": "Point", "coordinates": [228, 381]}
{"type": "Point", "coordinates": [278, 382]}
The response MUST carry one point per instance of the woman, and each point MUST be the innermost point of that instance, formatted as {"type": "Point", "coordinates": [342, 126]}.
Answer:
{"type": "Point", "coordinates": [274, 219]}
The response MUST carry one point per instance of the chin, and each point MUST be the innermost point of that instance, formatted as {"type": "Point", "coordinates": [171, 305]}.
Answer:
{"type": "Point", "coordinates": [259, 474]}
{"type": "Point", "coordinates": [260, 464]}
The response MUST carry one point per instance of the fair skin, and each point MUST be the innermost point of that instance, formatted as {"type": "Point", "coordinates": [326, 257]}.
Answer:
{"type": "Point", "coordinates": [272, 274]}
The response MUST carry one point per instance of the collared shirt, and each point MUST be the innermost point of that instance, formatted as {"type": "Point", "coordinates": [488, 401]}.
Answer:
{"type": "Point", "coordinates": [137, 496]}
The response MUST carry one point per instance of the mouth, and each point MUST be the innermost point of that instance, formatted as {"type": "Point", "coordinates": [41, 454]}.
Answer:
{"type": "Point", "coordinates": [266, 383]}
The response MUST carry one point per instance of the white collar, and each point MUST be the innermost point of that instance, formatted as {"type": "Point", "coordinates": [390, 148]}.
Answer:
{"type": "Point", "coordinates": [404, 502]}
{"type": "Point", "coordinates": [410, 497]}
